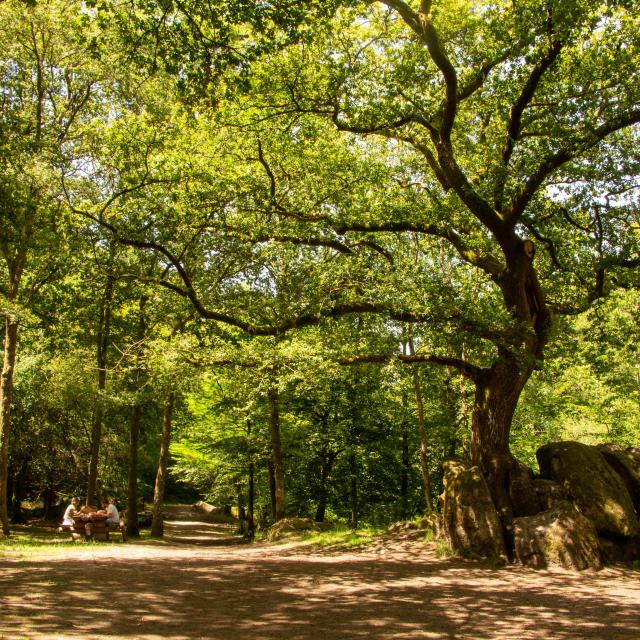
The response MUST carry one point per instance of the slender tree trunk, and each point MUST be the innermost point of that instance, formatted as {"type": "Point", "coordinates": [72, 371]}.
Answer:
{"type": "Point", "coordinates": [251, 522]}
{"type": "Point", "coordinates": [133, 530]}
{"type": "Point", "coordinates": [323, 497]}
{"type": "Point", "coordinates": [251, 526]}
{"type": "Point", "coordinates": [276, 450]}
{"type": "Point", "coordinates": [353, 432]}
{"type": "Point", "coordinates": [404, 474]}
{"type": "Point", "coordinates": [157, 524]}
{"type": "Point", "coordinates": [422, 433]}
{"type": "Point", "coordinates": [19, 494]}
{"type": "Point", "coordinates": [102, 340]}
{"type": "Point", "coordinates": [6, 393]}
{"type": "Point", "coordinates": [321, 509]}
{"type": "Point", "coordinates": [272, 488]}
{"type": "Point", "coordinates": [48, 499]}
{"type": "Point", "coordinates": [353, 490]}
{"type": "Point", "coordinates": [242, 510]}
{"type": "Point", "coordinates": [10, 483]}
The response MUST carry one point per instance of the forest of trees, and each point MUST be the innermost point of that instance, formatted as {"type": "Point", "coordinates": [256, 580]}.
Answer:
{"type": "Point", "coordinates": [292, 255]}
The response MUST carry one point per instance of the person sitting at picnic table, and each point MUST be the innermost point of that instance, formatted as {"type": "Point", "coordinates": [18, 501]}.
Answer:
{"type": "Point", "coordinates": [109, 508]}
{"type": "Point", "coordinates": [70, 511]}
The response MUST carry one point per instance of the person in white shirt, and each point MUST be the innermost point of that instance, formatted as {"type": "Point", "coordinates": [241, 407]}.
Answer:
{"type": "Point", "coordinates": [113, 517]}
{"type": "Point", "coordinates": [112, 512]}
{"type": "Point", "coordinates": [70, 511]}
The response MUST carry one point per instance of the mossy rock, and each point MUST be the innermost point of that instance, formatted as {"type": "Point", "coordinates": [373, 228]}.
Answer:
{"type": "Point", "coordinates": [470, 521]}
{"type": "Point", "coordinates": [550, 494]}
{"type": "Point", "coordinates": [291, 526]}
{"type": "Point", "coordinates": [591, 484]}
{"type": "Point", "coordinates": [561, 536]}
{"type": "Point", "coordinates": [522, 492]}
{"type": "Point", "coordinates": [626, 463]}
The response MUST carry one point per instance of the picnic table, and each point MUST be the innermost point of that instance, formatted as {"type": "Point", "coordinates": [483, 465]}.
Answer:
{"type": "Point", "coordinates": [92, 526]}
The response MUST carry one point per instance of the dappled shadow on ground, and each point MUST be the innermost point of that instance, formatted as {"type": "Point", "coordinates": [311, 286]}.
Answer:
{"type": "Point", "coordinates": [201, 533]}
{"type": "Point", "coordinates": [388, 590]}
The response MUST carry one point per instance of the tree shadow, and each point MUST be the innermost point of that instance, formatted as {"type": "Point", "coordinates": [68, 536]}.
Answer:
{"type": "Point", "coordinates": [263, 593]}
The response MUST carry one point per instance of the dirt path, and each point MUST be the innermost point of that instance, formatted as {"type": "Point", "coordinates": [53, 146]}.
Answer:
{"type": "Point", "coordinates": [199, 583]}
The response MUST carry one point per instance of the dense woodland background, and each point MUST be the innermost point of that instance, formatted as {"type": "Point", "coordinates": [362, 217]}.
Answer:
{"type": "Point", "coordinates": [295, 236]}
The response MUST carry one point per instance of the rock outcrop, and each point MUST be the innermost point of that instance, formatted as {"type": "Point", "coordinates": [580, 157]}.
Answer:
{"type": "Point", "coordinates": [561, 536]}
{"type": "Point", "coordinates": [550, 494]}
{"type": "Point", "coordinates": [626, 463]}
{"type": "Point", "coordinates": [583, 509]}
{"type": "Point", "coordinates": [591, 484]}
{"type": "Point", "coordinates": [470, 521]}
{"type": "Point", "coordinates": [522, 491]}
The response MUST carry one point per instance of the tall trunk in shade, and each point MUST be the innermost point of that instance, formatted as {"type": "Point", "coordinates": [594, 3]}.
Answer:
{"type": "Point", "coordinates": [422, 433]}
{"type": "Point", "coordinates": [277, 455]}
{"type": "Point", "coordinates": [251, 526]}
{"type": "Point", "coordinates": [6, 393]}
{"type": "Point", "coordinates": [496, 396]}
{"type": "Point", "coordinates": [157, 523]}
{"type": "Point", "coordinates": [102, 346]}
{"type": "Point", "coordinates": [498, 388]}
{"type": "Point", "coordinates": [133, 529]}
{"type": "Point", "coordinates": [326, 466]}
{"type": "Point", "coordinates": [353, 490]}
{"type": "Point", "coordinates": [272, 488]}
{"type": "Point", "coordinates": [251, 522]}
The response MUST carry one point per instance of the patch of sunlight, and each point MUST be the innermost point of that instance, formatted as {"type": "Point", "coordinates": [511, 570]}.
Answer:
{"type": "Point", "coordinates": [585, 431]}
{"type": "Point", "coordinates": [341, 537]}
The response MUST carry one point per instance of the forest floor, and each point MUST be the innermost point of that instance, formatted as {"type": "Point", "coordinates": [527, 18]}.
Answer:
{"type": "Point", "coordinates": [201, 582]}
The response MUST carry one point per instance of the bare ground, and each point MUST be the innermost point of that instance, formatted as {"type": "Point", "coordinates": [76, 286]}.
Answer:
{"type": "Point", "coordinates": [199, 583]}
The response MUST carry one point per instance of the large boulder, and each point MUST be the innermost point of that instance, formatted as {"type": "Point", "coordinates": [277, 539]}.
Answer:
{"type": "Point", "coordinates": [591, 484]}
{"type": "Point", "coordinates": [522, 491]}
{"type": "Point", "coordinates": [626, 464]}
{"type": "Point", "coordinates": [550, 494]}
{"type": "Point", "coordinates": [561, 536]}
{"type": "Point", "coordinates": [469, 520]}
{"type": "Point", "coordinates": [620, 549]}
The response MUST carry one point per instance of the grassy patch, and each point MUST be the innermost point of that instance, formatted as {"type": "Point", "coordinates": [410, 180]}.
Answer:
{"type": "Point", "coordinates": [443, 550]}
{"type": "Point", "coordinates": [34, 540]}
{"type": "Point", "coordinates": [341, 538]}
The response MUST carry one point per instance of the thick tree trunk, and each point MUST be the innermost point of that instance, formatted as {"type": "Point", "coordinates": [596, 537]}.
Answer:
{"type": "Point", "coordinates": [133, 530]}
{"type": "Point", "coordinates": [6, 392]}
{"type": "Point", "coordinates": [496, 397]}
{"type": "Point", "coordinates": [498, 389]}
{"type": "Point", "coordinates": [102, 340]}
{"type": "Point", "coordinates": [276, 450]}
{"type": "Point", "coordinates": [157, 523]}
